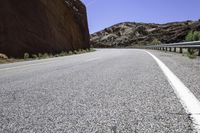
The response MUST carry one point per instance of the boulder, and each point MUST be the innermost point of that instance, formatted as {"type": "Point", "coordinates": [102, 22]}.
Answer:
{"type": "Point", "coordinates": [42, 26]}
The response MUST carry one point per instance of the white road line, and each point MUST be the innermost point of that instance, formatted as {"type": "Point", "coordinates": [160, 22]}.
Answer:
{"type": "Point", "coordinates": [35, 64]}
{"type": "Point", "coordinates": [46, 61]}
{"type": "Point", "coordinates": [24, 66]}
{"type": "Point", "coordinates": [187, 98]}
{"type": "Point", "coordinates": [89, 60]}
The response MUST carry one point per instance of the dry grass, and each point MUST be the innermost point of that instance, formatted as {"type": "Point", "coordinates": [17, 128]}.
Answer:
{"type": "Point", "coordinates": [28, 57]}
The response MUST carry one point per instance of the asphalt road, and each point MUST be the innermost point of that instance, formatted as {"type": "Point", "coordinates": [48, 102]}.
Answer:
{"type": "Point", "coordinates": [107, 91]}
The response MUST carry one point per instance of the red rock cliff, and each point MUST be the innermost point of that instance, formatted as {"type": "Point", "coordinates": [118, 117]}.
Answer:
{"type": "Point", "coordinates": [42, 26]}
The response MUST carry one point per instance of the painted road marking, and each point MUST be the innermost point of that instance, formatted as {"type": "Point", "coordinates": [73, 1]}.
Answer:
{"type": "Point", "coordinates": [187, 98]}
{"type": "Point", "coordinates": [24, 66]}
{"type": "Point", "coordinates": [89, 60]}
{"type": "Point", "coordinates": [42, 63]}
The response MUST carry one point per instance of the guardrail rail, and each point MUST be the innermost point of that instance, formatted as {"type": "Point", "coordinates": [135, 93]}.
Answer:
{"type": "Point", "coordinates": [174, 46]}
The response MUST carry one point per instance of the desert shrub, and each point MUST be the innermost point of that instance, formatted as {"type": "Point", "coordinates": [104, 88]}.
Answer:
{"type": "Point", "coordinates": [76, 52]}
{"type": "Point", "coordinates": [79, 51]}
{"type": "Point", "coordinates": [192, 51]}
{"type": "Point", "coordinates": [196, 36]}
{"type": "Point", "coordinates": [26, 55]}
{"type": "Point", "coordinates": [92, 50]}
{"type": "Point", "coordinates": [189, 36]}
{"type": "Point", "coordinates": [70, 52]}
{"type": "Point", "coordinates": [191, 54]}
{"type": "Point", "coordinates": [62, 53]}
{"type": "Point", "coordinates": [87, 50]}
{"type": "Point", "coordinates": [34, 56]}
{"type": "Point", "coordinates": [192, 36]}
{"type": "Point", "coordinates": [83, 51]}
{"type": "Point", "coordinates": [39, 55]}
{"type": "Point", "coordinates": [50, 55]}
{"type": "Point", "coordinates": [155, 42]}
{"type": "Point", "coordinates": [45, 55]}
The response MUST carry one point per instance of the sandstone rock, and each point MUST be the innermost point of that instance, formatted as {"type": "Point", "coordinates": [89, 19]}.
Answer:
{"type": "Point", "coordinates": [42, 26]}
{"type": "Point", "coordinates": [134, 34]}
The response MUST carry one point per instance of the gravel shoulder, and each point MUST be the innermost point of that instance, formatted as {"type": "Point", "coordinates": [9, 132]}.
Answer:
{"type": "Point", "coordinates": [186, 69]}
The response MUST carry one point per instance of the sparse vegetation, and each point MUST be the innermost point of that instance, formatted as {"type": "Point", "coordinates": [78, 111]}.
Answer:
{"type": "Point", "coordinates": [3, 56]}
{"type": "Point", "coordinates": [76, 52]}
{"type": "Point", "coordinates": [45, 55]}
{"type": "Point", "coordinates": [39, 55]}
{"type": "Point", "coordinates": [34, 56]}
{"type": "Point", "coordinates": [192, 36]}
{"type": "Point", "coordinates": [155, 42]}
{"type": "Point", "coordinates": [191, 56]}
{"type": "Point", "coordinates": [27, 56]}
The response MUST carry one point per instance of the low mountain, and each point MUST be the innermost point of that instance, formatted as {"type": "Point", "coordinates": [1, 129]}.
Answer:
{"type": "Point", "coordinates": [132, 34]}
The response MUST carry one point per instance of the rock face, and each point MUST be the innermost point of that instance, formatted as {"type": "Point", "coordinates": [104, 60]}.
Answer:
{"type": "Point", "coordinates": [135, 34]}
{"type": "Point", "coordinates": [42, 26]}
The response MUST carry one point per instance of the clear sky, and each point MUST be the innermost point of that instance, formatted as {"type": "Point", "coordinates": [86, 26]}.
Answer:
{"type": "Point", "coordinates": [104, 13]}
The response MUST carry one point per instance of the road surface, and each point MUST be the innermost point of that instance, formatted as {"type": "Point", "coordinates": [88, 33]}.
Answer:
{"type": "Point", "coordinates": [107, 91]}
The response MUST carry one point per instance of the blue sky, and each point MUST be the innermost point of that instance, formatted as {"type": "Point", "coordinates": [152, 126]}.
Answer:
{"type": "Point", "coordinates": [104, 13]}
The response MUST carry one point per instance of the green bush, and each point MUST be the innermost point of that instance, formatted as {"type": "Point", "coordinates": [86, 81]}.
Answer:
{"type": "Point", "coordinates": [26, 55]}
{"type": "Point", "coordinates": [196, 36]}
{"type": "Point", "coordinates": [189, 36]}
{"type": "Point", "coordinates": [193, 36]}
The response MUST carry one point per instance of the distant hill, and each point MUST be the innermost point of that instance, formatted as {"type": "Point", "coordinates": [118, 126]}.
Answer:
{"type": "Point", "coordinates": [131, 34]}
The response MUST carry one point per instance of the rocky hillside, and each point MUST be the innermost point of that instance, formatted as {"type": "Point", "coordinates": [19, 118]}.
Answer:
{"type": "Point", "coordinates": [42, 26]}
{"type": "Point", "coordinates": [134, 34]}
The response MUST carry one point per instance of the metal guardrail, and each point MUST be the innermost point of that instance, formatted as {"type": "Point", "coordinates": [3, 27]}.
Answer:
{"type": "Point", "coordinates": [181, 46]}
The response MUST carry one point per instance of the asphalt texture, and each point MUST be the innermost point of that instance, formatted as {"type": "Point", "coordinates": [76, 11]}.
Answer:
{"type": "Point", "coordinates": [107, 91]}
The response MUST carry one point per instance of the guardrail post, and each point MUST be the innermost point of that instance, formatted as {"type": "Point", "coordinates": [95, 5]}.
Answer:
{"type": "Point", "coordinates": [177, 47]}
{"type": "Point", "coordinates": [181, 50]}
{"type": "Point", "coordinates": [199, 53]}
{"type": "Point", "coordinates": [174, 49]}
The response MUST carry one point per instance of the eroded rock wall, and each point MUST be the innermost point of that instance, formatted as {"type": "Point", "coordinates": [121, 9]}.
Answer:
{"type": "Point", "coordinates": [42, 26]}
